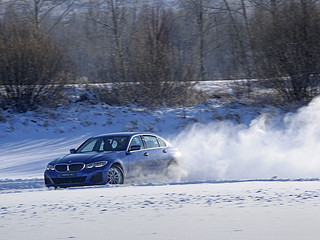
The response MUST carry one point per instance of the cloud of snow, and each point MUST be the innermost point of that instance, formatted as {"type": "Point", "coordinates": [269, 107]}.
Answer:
{"type": "Point", "coordinates": [283, 147]}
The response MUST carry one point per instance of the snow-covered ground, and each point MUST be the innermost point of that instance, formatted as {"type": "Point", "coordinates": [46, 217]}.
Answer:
{"type": "Point", "coordinates": [243, 210]}
{"type": "Point", "coordinates": [249, 172]}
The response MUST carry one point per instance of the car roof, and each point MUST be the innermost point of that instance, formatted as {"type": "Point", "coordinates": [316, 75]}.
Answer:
{"type": "Point", "coordinates": [127, 134]}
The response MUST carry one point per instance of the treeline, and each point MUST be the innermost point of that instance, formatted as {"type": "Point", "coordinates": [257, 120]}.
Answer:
{"type": "Point", "coordinates": [152, 50]}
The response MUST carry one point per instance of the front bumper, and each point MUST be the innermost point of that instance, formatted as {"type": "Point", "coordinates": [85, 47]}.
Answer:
{"type": "Point", "coordinates": [85, 177]}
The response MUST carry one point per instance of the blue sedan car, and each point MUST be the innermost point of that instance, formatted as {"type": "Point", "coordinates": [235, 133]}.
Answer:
{"type": "Point", "coordinates": [110, 159]}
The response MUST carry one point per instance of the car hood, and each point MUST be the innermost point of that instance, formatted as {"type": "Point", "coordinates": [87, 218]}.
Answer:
{"type": "Point", "coordinates": [85, 157]}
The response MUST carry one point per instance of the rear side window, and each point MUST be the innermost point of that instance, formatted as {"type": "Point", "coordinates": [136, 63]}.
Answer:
{"type": "Point", "coordinates": [151, 141]}
{"type": "Point", "coordinates": [162, 142]}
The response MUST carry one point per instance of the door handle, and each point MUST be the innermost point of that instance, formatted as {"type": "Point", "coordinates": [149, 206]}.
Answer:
{"type": "Point", "coordinates": [165, 151]}
{"type": "Point", "coordinates": [146, 154]}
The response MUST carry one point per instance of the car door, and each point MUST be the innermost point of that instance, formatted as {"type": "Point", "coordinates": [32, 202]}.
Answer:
{"type": "Point", "coordinates": [165, 153]}
{"type": "Point", "coordinates": [137, 158]}
{"type": "Point", "coordinates": [157, 154]}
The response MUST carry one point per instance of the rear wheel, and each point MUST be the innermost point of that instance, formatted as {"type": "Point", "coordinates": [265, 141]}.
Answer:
{"type": "Point", "coordinates": [115, 175]}
{"type": "Point", "coordinates": [172, 171]}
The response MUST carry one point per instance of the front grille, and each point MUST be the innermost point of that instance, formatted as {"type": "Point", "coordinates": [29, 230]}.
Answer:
{"type": "Point", "coordinates": [76, 167]}
{"type": "Point", "coordinates": [72, 167]}
{"type": "Point", "coordinates": [69, 180]}
{"type": "Point", "coordinates": [61, 168]}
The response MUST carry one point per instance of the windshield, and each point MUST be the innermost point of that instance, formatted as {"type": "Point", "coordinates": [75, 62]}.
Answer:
{"type": "Point", "coordinates": [100, 144]}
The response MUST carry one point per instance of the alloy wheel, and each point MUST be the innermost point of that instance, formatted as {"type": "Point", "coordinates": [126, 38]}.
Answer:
{"type": "Point", "coordinates": [115, 176]}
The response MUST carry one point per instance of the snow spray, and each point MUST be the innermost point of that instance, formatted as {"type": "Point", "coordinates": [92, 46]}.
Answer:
{"type": "Point", "coordinates": [271, 146]}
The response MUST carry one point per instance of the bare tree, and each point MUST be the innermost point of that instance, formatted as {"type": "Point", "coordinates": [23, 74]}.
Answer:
{"type": "Point", "coordinates": [155, 68]}
{"type": "Point", "coordinates": [32, 68]}
{"type": "Point", "coordinates": [241, 38]}
{"type": "Point", "coordinates": [38, 12]}
{"type": "Point", "coordinates": [197, 13]}
{"type": "Point", "coordinates": [112, 16]}
{"type": "Point", "coordinates": [287, 36]}
{"type": "Point", "coordinates": [153, 56]}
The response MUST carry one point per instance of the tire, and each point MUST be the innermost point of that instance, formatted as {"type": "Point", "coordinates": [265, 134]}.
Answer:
{"type": "Point", "coordinates": [115, 175]}
{"type": "Point", "coordinates": [172, 171]}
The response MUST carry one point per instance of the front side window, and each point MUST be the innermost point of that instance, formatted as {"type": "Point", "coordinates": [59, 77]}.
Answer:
{"type": "Point", "coordinates": [136, 141]}
{"type": "Point", "coordinates": [110, 143]}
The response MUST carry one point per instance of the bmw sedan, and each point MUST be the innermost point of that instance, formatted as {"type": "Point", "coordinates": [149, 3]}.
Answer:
{"type": "Point", "coordinates": [110, 159]}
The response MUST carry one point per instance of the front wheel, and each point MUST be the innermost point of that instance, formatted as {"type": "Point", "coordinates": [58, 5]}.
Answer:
{"type": "Point", "coordinates": [115, 175]}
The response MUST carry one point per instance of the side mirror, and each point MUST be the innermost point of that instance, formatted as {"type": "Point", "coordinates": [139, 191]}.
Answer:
{"type": "Point", "coordinates": [134, 148]}
{"type": "Point", "coordinates": [72, 151]}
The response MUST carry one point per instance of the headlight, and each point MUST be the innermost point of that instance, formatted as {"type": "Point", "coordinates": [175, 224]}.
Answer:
{"type": "Point", "coordinates": [50, 167]}
{"type": "Point", "coordinates": [96, 164]}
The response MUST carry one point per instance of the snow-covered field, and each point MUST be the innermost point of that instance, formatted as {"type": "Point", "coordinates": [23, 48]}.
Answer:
{"type": "Point", "coordinates": [249, 172]}
{"type": "Point", "coordinates": [242, 210]}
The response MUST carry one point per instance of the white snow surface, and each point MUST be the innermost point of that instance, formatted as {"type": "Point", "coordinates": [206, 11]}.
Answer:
{"type": "Point", "coordinates": [240, 210]}
{"type": "Point", "coordinates": [248, 172]}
